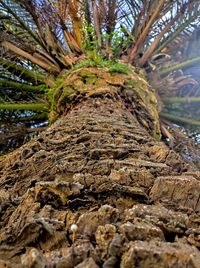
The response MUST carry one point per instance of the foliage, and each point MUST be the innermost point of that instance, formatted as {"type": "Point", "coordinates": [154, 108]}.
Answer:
{"type": "Point", "coordinates": [120, 68]}
{"type": "Point", "coordinates": [114, 67]}
{"type": "Point", "coordinates": [54, 34]}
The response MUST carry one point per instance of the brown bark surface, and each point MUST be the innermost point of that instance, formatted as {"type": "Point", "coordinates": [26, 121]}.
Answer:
{"type": "Point", "coordinates": [135, 201]}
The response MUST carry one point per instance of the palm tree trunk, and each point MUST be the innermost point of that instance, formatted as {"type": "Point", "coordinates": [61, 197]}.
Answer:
{"type": "Point", "coordinates": [97, 167]}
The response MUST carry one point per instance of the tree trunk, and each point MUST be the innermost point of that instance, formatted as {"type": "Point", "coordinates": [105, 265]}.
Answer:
{"type": "Point", "coordinates": [134, 201]}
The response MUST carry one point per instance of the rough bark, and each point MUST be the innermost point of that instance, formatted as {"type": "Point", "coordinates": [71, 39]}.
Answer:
{"type": "Point", "coordinates": [135, 201]}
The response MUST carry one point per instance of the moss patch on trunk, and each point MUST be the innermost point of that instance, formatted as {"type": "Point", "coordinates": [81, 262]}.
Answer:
{"type": "Point", "coordinates": [89, 82]}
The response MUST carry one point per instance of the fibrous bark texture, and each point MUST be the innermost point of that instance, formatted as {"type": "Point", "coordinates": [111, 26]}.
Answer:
{"type": "Point", "coordinates": [135, 201]}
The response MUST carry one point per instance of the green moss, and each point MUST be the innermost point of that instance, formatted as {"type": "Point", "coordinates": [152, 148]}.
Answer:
{"type": "Point", "coordinates": [86, 73]}
{"type": "Point", "coordinates": [113, 66]}
{"type": "Point", "coordinates": [84, 63]}
{"type": "Point", "coordinates": [68, 93]}
{"type": "Point", "coordinates": [136, 84]}
{"type": "Point", "coordinates": [148, 101]}
{"type": "Point", "coordinates": [64, 199]}
{"type": "Point", "coordinates": [91, 80]}
{"type": "Point", "coordinates": [94, 81]}
{"type": "Point", "coordinates": [93, 60]}
{"type": "Point", "coordinates": [120, 68]}
{"type": "Point", "coordinates": [52, 116]}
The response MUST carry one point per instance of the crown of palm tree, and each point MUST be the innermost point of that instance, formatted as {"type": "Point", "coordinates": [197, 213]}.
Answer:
{"type": "Point", "coordinates": [54, 34]}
